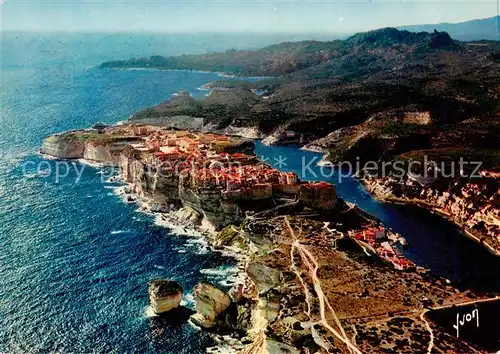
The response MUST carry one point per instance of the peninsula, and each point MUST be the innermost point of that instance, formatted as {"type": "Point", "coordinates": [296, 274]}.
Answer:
{"type": "Point", "coordinates": [319, 274]}
{"type": "Point", "coordinates": [386, 96]}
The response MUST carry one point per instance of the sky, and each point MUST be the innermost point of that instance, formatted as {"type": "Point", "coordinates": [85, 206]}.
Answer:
{"type": "Point", "coordinates": [291, 16]}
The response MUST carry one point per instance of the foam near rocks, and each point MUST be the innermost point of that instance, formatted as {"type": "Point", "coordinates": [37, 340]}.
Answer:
{"type": "Point", "coordinates": [117, 232]}
{"type": "Point", "coordinates": [219, 271]}
{"type": "Point", "coordinates": [150, 312]}
{"type": "Point", "coordinates": [226, 277]}
{"type": "Point", "coordinates": [232, 280]}
{"type": "Point", "coordinates": [188, 301]}
{"type": "Point", "coordinates": [168, 221]}
{"type": "Point", "coordinates": [113, 179]}
{"type": "Point", "coordinates": [92, 163]}
{"type": "Point", "coordinates": [222, 349]}
{"type": "Point", "coordinates": [196, 242]}
{"type": "Point", "coordinates": [226, 345]}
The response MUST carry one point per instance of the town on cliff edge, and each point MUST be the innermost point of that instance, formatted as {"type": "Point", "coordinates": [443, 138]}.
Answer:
{"type": "Point", "coordinates": [317, 273]}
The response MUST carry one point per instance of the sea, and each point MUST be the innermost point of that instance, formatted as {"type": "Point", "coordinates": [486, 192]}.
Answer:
{"type": "Point", "coordinates": [75, 259]}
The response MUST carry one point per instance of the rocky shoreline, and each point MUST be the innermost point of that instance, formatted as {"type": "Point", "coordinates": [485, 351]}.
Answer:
{"type": "Point", "coordinates": [226, 332]}
{"type": "Point", "coordinates": [439, 202]}
{"type": "Point", "coordinates": [307, 286]}
{"type": "Point", "coordinates": [317, 267]}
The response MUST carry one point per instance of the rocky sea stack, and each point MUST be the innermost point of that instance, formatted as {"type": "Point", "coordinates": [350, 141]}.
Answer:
{"type": "Point", "coordinates": [211, 305]}
{"type": "Point", "coordinates": [164, 295]}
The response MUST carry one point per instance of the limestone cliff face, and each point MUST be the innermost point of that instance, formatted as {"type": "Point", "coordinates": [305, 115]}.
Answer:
{"type": "Point", "coordinates": [321, 196]}
{"type": "Point", "coordinates": [164, 185]}
{"type": "Point", "coordinates": [211, 304]}
{"type": "Point", "coordinates": [474, 205]}
{"type": "Point", "coordinates": [61, 147]}
{"type": "Point", "coordinates": [87, 144]}
{"type": "Point", "coordinates": [150, 180]}
{"type": "Point", "coordinates": [187, 214]}
{"type": "Point", "coordinates": [209, 203]}
{"type": "Point", "coordinates": [105, 153]}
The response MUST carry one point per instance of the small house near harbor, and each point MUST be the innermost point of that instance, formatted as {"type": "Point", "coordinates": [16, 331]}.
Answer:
{"type": "Point", "coordinates": [370, 234]}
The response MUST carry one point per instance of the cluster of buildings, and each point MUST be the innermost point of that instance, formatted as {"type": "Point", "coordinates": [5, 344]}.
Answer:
{"type": "Point", "coordinates": [243, 176]}
{"type": "Point", "coordinates": [214, 162]}
{"type": "Point", "coordinates": [212, 166]}
{"type": "Point", "coordinates": [376, 237]}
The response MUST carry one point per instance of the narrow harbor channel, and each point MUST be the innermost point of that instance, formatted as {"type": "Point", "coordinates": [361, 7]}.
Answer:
{"type": "Point", "coordinates": [434, 242]}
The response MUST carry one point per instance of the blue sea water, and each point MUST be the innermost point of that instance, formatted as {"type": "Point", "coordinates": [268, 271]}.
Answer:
{"type": "Point", "coordinates": [75, 259]}
{"type": "Point", "coordinates": [434, 242]}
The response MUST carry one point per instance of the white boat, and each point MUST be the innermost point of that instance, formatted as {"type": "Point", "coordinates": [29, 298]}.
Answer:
{"type": "Point", "coordinates": [402, 241]}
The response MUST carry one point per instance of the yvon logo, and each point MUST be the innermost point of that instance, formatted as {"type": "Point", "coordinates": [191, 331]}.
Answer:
{"type": "Point", "coordinates": [466, 318]}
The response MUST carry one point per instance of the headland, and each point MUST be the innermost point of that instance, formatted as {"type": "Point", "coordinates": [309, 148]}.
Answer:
{"type": "Point", "coordinates": [385, 95]}
{"type": "Point", "coordinates": [319, 274]}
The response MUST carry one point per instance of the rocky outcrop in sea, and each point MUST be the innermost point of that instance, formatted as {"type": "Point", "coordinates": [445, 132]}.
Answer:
{"type": "Point", "coordinates": [164, 295]}
{"type": "Point", "coordinates": [306, 286]}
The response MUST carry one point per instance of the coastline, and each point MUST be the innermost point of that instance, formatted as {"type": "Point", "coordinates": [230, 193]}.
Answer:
{"type": "Point", "coordinates": [356, 283]}
{"type": "Point", "coordinates": [314, 148]}
{"type": "Point", "coordinates": [263, 260]}
{"type": "Point", "coordinates": [139, 68]}
{"type": "Point", "coordinates": [431, 208]}
{"type": "Point", "coordinates": [218, 73]}
{"type": "Point", "coordinates": [256, 339]}
{"type": "Point", "coordinates": [205, 231]}
{"type": "Point", "coordinates": [322, 162]}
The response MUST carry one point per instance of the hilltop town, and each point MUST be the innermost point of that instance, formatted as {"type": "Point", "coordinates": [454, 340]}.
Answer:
{"type": "Point", "coordinates": [216, 176]}
{"type": "Point", "coordinates": [384, 95]}
{"type": "Point", "coordinates": [318, 273]}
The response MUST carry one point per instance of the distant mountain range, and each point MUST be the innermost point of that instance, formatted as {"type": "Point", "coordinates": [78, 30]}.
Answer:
{"type": "Point", "coordinates": [380, 94]}
{"type": "Point", "coordinates": [487, 28]}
